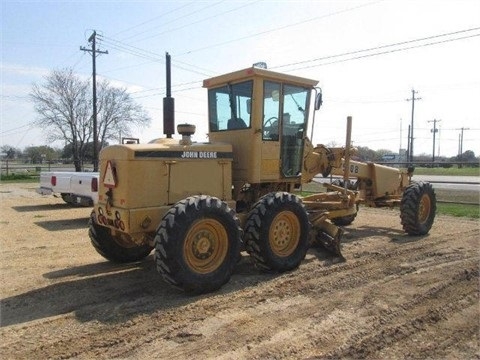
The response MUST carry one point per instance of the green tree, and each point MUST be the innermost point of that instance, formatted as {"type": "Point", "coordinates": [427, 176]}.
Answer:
{"type": "Point", "coordinates": [379, 154]}
{"type": "Point", "coordinates": [365, 154]}
{"type": "Point", "coordinates": [10, 152]}
{"type": "Point", "coordinates": [41, 154]}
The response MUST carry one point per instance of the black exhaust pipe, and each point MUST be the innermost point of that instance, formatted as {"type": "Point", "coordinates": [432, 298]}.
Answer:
{"type": "Point", "coordinates": [168, 105]}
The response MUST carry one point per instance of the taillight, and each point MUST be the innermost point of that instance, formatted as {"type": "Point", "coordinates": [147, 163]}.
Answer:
{"type": "Point", "coordinates": [53, 180]}
{"type": "Point", "coordinates": [94, 185]}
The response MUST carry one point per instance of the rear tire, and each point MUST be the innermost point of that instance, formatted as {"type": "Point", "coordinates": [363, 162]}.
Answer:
{"type": "Point", "coordinates": [276, 232]}
{"type": "Point", "coordinates": [418, 207]}
{"type": "Point", "coordinates": [197, 244]}
{"type": "Point", "coordinates": [113, 249]}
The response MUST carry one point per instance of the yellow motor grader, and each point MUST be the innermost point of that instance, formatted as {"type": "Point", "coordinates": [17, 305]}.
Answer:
{"type": "Point", "coordinates": [200, 204]}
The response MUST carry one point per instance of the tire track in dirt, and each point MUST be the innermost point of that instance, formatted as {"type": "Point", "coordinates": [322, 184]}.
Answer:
{"type": "Point", "coordinates": [409, 318]}
{"type": "Point", "coordinates": [357, 275]}
{"type": "Point", "coordinates": [220, 306]}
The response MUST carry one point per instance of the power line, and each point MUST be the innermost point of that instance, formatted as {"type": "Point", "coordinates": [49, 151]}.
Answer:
{"type": "Point", "coordinates": [175, 20]}
{"type": "Point", "coordinates": [136, 51]}
{"type": "Point", "coordinates": [153, 56]}
{"type": "Point", "coordinates": [152, 19]}
{"type": "Point", "coordinates": [303, 22]}
{"type": "Point", "coordinates": [200, 21]}
{"type": "Point", "coordinates": [377, 53]}
{"type": "Point", "coordinates": [14, 129]}
{"type": "Point", "coordinates": [149, 55]}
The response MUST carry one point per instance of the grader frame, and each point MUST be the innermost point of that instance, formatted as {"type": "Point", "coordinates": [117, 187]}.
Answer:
{"type": "Point", "coordinates": [200, 204]}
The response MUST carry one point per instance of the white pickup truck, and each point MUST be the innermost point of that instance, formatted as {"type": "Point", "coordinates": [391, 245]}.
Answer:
{"type": "Point", "coordinates": [76, 188]}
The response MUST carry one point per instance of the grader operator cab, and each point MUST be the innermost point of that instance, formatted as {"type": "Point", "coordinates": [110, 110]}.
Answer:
{"type": "Point", "coordinates": [199, 205]}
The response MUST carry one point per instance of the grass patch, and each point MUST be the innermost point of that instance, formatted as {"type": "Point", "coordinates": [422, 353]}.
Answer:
{"type": "Point", "coordinates": [459, 210]}
{"type": "Point", "coordinates": [19, 178]}
{"type": "Point", "coordinates": [453, 171]}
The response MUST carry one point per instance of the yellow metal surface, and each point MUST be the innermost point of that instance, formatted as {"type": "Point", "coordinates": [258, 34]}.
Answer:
{"type": "Point", "coordinates": [152, 175]}
{"type": "Point", "coordinates": [240, 141]}
{"type": "Point", "coordinates": [385, 180]}
{"type": "Point", "coordinates": [205, 246]}
{"type": "Point", "coordinates": [270, 169]}
{"type": "Point", "coordinates": [134, 221]}
{"type": "Point", "coordinates": [284, 233]}
{"type": "Point", "coordinates": [245, 74]}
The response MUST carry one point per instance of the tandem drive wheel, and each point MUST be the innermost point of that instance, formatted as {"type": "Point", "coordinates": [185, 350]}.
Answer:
{"type": "Point", "coordinates": [276, 232]}
{"type": "Point", "coordinates": [197, 244]}
{"type": "Point", "coordinates": [418, 207]}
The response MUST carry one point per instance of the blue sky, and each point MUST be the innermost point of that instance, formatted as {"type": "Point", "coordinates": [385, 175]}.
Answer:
{"type": "Point", "coordinates": [305, 38]}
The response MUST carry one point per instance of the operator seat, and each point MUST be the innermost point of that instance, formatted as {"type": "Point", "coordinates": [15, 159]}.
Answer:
{"type": "Point", "coordinates": [236, 123]}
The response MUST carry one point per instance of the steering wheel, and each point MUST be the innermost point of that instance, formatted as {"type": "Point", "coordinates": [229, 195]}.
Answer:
{"type": "Point", "coordinates": [269, 131]}
{"type": "Point", "coordinates": [269, 121]}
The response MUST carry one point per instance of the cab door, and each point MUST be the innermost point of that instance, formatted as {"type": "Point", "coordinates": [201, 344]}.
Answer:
{"type": "Point", "coordinates": [270, 163]}
{"type": "Point", "coordinates": [293, 129]}
{"type": "Point", "coordinates": [285, 113]}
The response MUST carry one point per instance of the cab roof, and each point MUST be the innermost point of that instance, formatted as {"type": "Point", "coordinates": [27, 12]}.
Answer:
{"type": "Point", "coordinates": [253, 72]}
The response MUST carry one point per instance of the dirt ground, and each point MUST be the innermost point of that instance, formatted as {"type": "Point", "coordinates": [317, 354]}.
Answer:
{"type": "Point", "coordinates": [395, 297]}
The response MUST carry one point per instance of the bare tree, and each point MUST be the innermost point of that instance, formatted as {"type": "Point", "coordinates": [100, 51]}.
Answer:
{"type": "Point", "coordinates": [64, 106]}
{"type": "Point", "coordinates": [117, 113]}
{"type": "Point", "coordinates": [64, 109]}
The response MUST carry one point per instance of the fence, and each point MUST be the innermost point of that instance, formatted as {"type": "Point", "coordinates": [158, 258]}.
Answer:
{"type": "Point", "coordinates": [13, 167]}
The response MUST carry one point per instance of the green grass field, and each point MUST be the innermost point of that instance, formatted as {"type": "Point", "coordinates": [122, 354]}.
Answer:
{"type": "Point", "coordinates": [453, 171]}
{"type": "Point", "coordinates": [460, 210]}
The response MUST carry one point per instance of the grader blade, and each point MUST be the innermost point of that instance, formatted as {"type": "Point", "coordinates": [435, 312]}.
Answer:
{"type": "Point", "coordinates": [326, 234]}
{"type": "Point", "coordinates": [331, 244]}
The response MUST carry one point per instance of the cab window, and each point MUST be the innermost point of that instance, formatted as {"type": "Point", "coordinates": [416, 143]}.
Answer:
{"type": "Point", "coordinates": [229, 106]}
{"type": "Point", "coordinates": [271, 110]}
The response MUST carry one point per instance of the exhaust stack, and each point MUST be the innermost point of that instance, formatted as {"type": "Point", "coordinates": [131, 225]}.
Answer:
{"type": "Point", "coordinates": [168, 104]}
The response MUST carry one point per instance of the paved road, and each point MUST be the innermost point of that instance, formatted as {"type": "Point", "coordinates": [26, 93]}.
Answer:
{"type": "Point", "coordinates": [471, 183]}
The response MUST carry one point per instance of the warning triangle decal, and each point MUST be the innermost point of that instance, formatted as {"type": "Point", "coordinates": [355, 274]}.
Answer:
{"type": "Point", "coordinates": [109, 179]}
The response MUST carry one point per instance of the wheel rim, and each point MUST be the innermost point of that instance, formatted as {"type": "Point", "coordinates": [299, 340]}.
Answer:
{"type": "Point", "coordinates": [424, 208]}
{"type": "Point", "coordinates": [284, 234]}
{"type": "Point", "coordinates": [205, 246]}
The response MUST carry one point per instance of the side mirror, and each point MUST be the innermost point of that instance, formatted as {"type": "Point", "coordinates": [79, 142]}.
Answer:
{"type": "Point", "coordinates": [318, 100]}
{"type": "Point", "coordinates": [249, 106]}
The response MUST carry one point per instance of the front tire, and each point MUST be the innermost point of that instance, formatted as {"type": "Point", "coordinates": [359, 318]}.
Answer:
{"type": "Point", "coordinates": [197, 244]}
{"type": "Point", "coordinates": [111, 248]}
{"type": "Point", "coordinates": [276, 232]}
{"type": "Point", "coordinates": [418, 207]}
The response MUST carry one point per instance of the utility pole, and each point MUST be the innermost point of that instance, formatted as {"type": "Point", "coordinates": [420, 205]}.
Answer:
{"type": "Point", "coordinates": [460, 145]}
{"type": "Point", "coordinates": [94, 52]}
{"type": "Point", "coordinates": [410, 145]}
{"type": "Point", "coordinates": [434, 131]}
{"type": "Point", "coordinates": [400, 144]}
